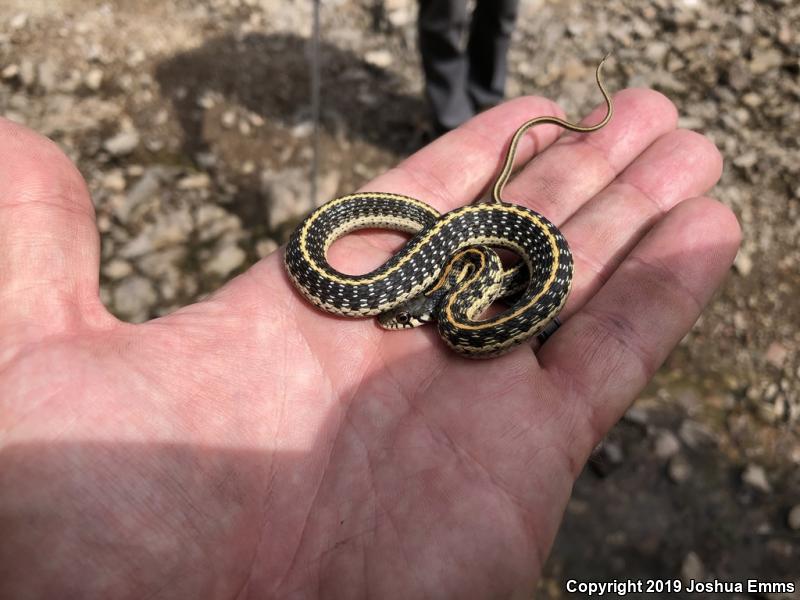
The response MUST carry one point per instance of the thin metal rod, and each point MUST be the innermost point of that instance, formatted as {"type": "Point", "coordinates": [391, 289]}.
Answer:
{"type": "Point", "coordinates": [315, 103]}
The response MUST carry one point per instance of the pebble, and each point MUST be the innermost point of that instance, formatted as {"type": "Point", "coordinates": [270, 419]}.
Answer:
{"type": "Point", "coordinates": [613, 452]}
{"type": "Point", "coordinates": [213, 222]}
{"type": "Point", "coordinates": [228, 119]}
{"type": "Point", "coordinates": [133, 298]}
{"type": "Point", "coordinates": [692, 567]}
{"type": "Point", "coordinates": [746, 160]}
{"type": "Point", "coordinates": [18, 21]}
{"type": "Point", "coordinates": [144, 189]}
{"type": "Point", "coordinates": [47, 73]}
{"type": "Point", "coordinates": [10, 71]}
{"type": "Point", "coordinates": [765, 59]}
{"type": "Point", "coordinates": [666, 445]}
{"type": "Point", "coordinates": [122, 143]}
{"type": "Point", "coordinates": [197, 181]}
{"type": "Point", "coordinates": [379, 58]}
{"type": "Point", "coordinates": [225, 260]}
{"type": "Point", "coordinates": [302, 130]}
{"type": "Point", "coordinates": [695, 435]}
{"type": "Point", "coordinates": [793, 518]}
{"type": "Point", "coordinates": [288, 194]}
{"type": "Point", "coordinates": [27, 72]}
{"type": "Point", "coordinates": [679, 469]}
{"type": "Point", "coordinates": [637, 415]}
{"type": "Point", "coordinates": [169, 229]}
{"type": "Point", "coordinates": [756, 477]}
{"type": "Point", "coordinates": [114, 181]}
{"type": "Point", "coordinates": [117, 268]}
{"type": "Point", "coordinates": [776, 354]}
{"type": "Point", "coordinates": [743, 262]}
{"type": "Point", "coordinates": [740, 321]}
{"type": "Point", "coordinates": [94, 79]}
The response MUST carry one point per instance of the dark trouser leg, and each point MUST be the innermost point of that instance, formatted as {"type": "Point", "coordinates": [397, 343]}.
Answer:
{"type": "Point", "coordinates": [442, 25]}
{"type": "Point", "coordinates": [490, 37]}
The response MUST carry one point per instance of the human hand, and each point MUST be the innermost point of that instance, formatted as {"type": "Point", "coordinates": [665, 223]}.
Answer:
{"type": "Point", "coordinates": [251, 446]}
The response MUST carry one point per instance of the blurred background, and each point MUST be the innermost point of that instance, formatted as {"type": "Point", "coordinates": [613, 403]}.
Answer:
{"type": "Point", "coordinates": [191, 121]}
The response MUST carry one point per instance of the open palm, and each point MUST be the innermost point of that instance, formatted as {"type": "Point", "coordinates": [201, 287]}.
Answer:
{"type": "Point", "coordinates": [251, 446]}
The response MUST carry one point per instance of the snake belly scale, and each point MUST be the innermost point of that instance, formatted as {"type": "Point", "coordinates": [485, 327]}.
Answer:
{"type": "Point", "coordinates": [447, 271]}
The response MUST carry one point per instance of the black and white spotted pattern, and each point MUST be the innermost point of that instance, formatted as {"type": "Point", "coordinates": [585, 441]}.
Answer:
{"type": "Point", "coordinates": [420, 263]}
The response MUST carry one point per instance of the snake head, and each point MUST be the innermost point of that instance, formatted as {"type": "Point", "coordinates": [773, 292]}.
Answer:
{"type": "Point", "coordinates": [411, 313]}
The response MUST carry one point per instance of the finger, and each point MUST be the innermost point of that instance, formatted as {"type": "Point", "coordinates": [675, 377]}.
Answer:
{"type": "Point", "coordinates": [49, 249]}
{"type": "Point", "coordinates": [574, 169]}
{"type": "Point", "coordinates": [607, 352]}
{"type": "Point", "coordinates": [679, 165]}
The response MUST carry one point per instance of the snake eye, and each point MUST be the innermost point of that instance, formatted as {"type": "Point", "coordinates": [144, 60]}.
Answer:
{"type": "Point", "coordinates": [403, 318]}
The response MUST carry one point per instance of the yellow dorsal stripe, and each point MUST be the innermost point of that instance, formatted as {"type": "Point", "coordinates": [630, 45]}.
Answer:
{"type": "Point", "coordinates": [368, 280]}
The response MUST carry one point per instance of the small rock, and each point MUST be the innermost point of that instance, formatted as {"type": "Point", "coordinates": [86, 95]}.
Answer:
{"type": "Point", "coordinates": [746, 160]}
{"type": "Point", "coordinates": [288, 195]}
{"type": "Point", "coordinates": [776, 354]}
{"type": "Point", "coordinates": [606, 457]}
{"type": "Point", "coordinates": [765, 59]}
{"type": "Point", "coordinates": [18, 21]}
{"type": "Point", "coordinates": [197, 181]}
{"type": "Point", "coordinates": [793, 518]}
{"type": "Point", "coordinates": [117, 269]}
{"type": "Point", "coordinates": [144, 189]}
{"type": "Point", "coordinates": [48, 75]}
{"type": "Point", "coordinates": [666, 445]}
{"type": "Point", "coordinates": [94, 79]}
{"type": "Point", "coordinates": [752, 99]}
{"type": "Point", "coordinates": [379, 58]}
{"type": "Point", "coordinates": [739, 321]}
{"type": "Point", "coordinates": [10, 71]}
{"type": "Point", "coordinates": [213, 222]}
{"type": "Point", "coordinates": [613, 452]}
{"type": "Point", "coordinates": [689, 122]}
{"type": "Point", "coordinates": [207, 100]}
{"type": "Point", "coordinates": [136, 58]}
{"type": "Point", "coordinates": [122, 143]}
{"type": "Point", "coordinates": [400, 17]}
{"type": "Point", "coordinates": [692, 568]}
{"type": "Point", "coordinates": [756, 477]}
{"type": "Point", "coordinates": [154, 145]}
{"type": "Point", "coordinates": [266, 247]}
{"type": "Point", "coordinates": [743, 262]}
{"type": "Point", "coordinates": [695, 435]}
{"type": "Point", "coordinates": [133, 298]}
{"type": "Point", "coordinates": [679, 469]}
{"type": "Point", "coordinates": [27, 72]}
{"type": "Point", "coordinates": [114, 181]}
{"type": "Point", "coordinates": [228, 119]}
{"type": "Point", "coordinates": [225, 260]}
{"type": "Point", "coordinates": [169, 229]}
{"type": "Point", "coordinates": [302, 130]}
{"type": "Point", "coordinates": [255, 119]}
{"type": "Point", "coordinates": [637, 415]}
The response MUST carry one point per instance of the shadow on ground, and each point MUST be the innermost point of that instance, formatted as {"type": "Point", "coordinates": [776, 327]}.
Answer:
{"type": "Point", "coordinates": [269, 75]}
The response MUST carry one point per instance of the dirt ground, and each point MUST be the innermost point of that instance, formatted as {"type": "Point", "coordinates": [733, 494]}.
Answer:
{"type": "Point", "coordinates": [190, 120]}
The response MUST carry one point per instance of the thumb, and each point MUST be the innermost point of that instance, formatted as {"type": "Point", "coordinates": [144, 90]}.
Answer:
{"type": "Point", "coordinates": [49, 244]}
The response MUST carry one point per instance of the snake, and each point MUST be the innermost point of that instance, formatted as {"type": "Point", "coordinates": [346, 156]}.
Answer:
{"type": "Point", "coordinates": [448, 271]}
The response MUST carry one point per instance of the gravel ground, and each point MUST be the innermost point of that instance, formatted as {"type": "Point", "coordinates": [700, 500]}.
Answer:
{"type": "Point", "coordinates": [195, 139]}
